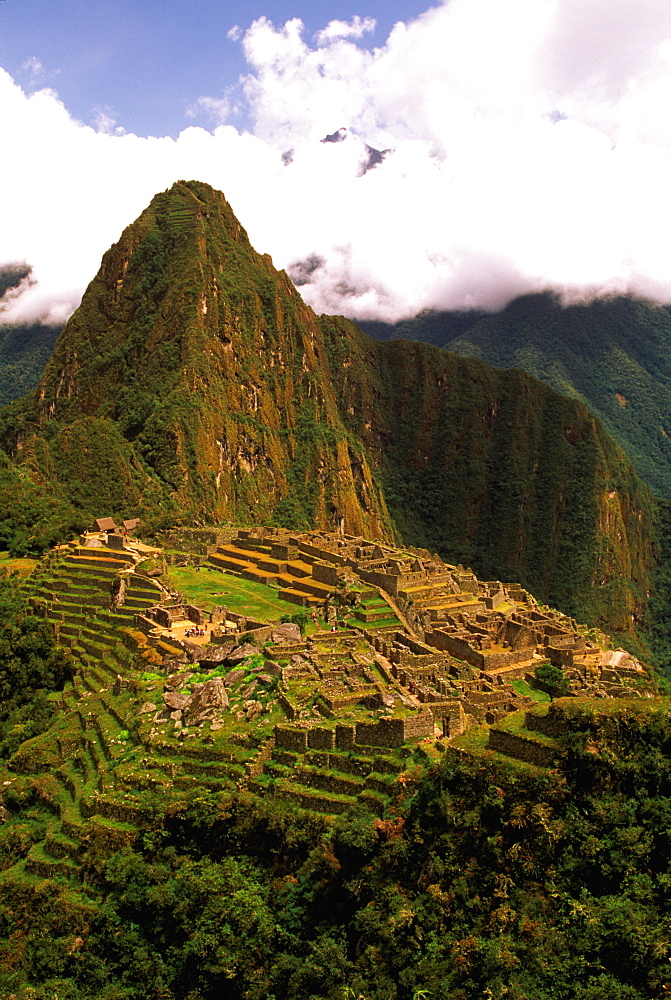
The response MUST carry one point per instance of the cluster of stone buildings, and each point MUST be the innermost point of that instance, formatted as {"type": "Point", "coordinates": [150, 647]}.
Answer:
{"type": "Point", "coordinates": [448, 663]}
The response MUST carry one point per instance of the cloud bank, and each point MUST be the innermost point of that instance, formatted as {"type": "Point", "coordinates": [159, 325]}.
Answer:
{"type": "Point", "coordinates": [529, 147]}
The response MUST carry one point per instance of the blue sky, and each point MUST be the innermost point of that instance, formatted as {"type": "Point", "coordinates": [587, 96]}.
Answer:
{"type": "Point", "coordinates": [527, 143]}
{"type": "Point", "coordinates": [146, 62]}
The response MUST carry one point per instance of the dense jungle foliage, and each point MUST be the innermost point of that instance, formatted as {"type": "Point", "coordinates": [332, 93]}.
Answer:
{"type": "Point", "coordinates": [489, 879]}
{"type": "Point", "coordinates": [24, 351]}
{"type": "Point", "coordinates": [614, 355]}
{"type": "Point", "coordinates": [30, 668]}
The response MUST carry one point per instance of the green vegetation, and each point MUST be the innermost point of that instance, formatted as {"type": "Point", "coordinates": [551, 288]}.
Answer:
{"type": "Point", "coordinates": [204, 390]}
{"type": "Point", "coordinates": [486, 879]}
{"type": "Point", "coordinates": [24, 351]}
{"type": "Point", "coordinates": [210, 588]}
{"type": "Point", "coordinates": [493, 470]}
{"type": "Point", "coordinates": [613, 355]}
{"type": "Point", "coordinates": [30, 667]}
{"type": "Point", "coordinates": [23, 567]}
{"type": "Point", "coordinates": [142, 860]}
{"type": "Point", "coordinates": [523, 688]}
{"type": "Point", "coordinates": [553, 680]}
{"type": "Point", "coordinates": [32, 518]}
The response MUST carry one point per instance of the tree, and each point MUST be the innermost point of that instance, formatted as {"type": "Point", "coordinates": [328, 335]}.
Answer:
{"type": "Point", "coordinates": [29, 659]}
{"type": "Point", "coordinates": [552, 678]}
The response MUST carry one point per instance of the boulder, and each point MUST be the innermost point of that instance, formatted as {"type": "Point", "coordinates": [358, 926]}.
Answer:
{"type": "Point", "coordinates": [146, 708]}
{"type": "Point", "coordinates": [287, 632]}
{"type": "Point", "coordinates": [241, 653]}
{"type": "Point", "coordinates": [233, 676]}
{"type": "Point", "coordinates": [265, 678]}
{"type": "Point", "coordinates": [175, 700]}
{"type": "Point", "coordinates": [211, 657]}
{"type": "Point", "coordinates": [204, 698]}
{"type": "Point", "coordinates": [270, 667]}
{"type": "Point", "coordinates": [177, 680]}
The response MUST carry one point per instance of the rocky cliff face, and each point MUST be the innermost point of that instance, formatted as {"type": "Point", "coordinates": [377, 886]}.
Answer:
{"type": "Point", "coordinates": [500, 472]}
{"type": "Point", "coordinates": [194, 381]}
{"type": "Point", "coordinates": [190, 347]}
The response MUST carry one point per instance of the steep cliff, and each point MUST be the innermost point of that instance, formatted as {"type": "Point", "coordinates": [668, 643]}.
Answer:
{"type": "Point", "coordinates": [500, 472]}
{"type": "Point", "coordinates": [194, 382]}
{"type": "Point", "coordinates": [613, 355]}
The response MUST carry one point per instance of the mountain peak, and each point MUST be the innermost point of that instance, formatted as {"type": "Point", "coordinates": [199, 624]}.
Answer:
{"type": "Point", "coordinates": [193, 382]}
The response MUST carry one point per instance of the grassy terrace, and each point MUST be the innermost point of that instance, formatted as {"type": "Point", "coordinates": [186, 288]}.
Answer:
{"type": "Point", "coordinates": [476, 739]}
{"type": "Point", "coordinates": [23, 567]}
{"type": "Point", "coordinates": [210, 588]}
{"type": "Point", "coordinates": [521, 687]}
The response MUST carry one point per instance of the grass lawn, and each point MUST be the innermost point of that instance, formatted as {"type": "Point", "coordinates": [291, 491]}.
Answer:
{"type": "Point", "coordinates": [381, 623]}
{"type": "Point", "coordinates": [522, 687]}
{"type": "Point", "coordinates": [474, 740]}
{"type": "Point", "coordinates": [611, 706]}
{"type": "Point", "coordinates": [209, 588]}
{"type": "Point", "coordinates": [23, 567]}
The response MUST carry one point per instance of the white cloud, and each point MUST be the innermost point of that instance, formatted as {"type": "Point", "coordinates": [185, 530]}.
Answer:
{"type": "Point", "coordinates": [104, 120]}
{"type": "Point", "coordinates": [530, 148]}
{"type": "Point", "coordinates": [33, 67]}
{"type": "Point", "coordinates": [357, 28]}
{"type": "Point", "coordinates": [217, 108]}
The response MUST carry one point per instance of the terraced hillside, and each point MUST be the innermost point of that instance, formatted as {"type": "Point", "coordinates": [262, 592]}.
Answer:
{"type": "Point", "coordinates": [402, 654]}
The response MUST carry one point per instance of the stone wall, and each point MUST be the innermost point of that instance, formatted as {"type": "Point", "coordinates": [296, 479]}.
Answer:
{"type": "Point", "coordinates": [417, 727]}
{"type": "Point", "coordinates": [322, 803]}
{"type": "Point", "coordinates": [345, 737]}
{"type": "Point", "coordinates": [521, 748]}
{"type": "Point", "coordinates": [287, 738]}
{"type": "Point", "coordinates": [451, 713]}
{"type": "Point", "coordinates": [461, 649]}
{"type": "Point", "coordinates": [392, 733]}
{"type": "Point", "coordinates": [281, 551]}
{"type": "Point", "coordinates": [385, 733]}
{"type": "Point", "coordinates": [323, 573]}
{"type": "Point", "coordinates": [321, 738]}
{"type": "Point", "coordinates": [197, 540]}
{"type": "Point", "coordinates": [385, 581]}
{"type": "Point", "coordinates": [552, 724]}
{"type": "Point", "coordinates": [324, 554]}
{"type": "Point", "coordinates": [287, 707]}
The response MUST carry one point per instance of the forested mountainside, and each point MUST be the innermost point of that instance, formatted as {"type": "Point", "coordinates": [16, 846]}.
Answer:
{"type": "Point", "coordinates": [24, 351]}
{"type": "Point", "coordinates": [480, 874]}
{"type": "Point", "coordinates": [193, 383]}
{"type": "Point", "coordinates": [614, 355]}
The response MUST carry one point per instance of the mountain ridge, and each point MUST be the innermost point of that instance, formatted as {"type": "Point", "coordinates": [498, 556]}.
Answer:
{"type": "Point", "coordinates": [193, 382]}
{"type": "Point", "coordinates": [612, 354]}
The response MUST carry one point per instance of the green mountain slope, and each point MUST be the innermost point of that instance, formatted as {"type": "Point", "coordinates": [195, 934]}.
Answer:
{"type": "Point", "coordinates": [24, 351]}
{"type": "Point", "coordinates": [194, 383]}
{"type": "Point", "coordinates": [612, 355]}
